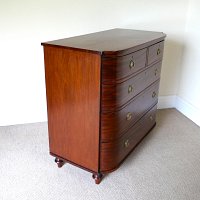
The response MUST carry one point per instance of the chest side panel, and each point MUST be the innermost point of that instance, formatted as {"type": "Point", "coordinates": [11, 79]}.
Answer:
{"type": "Point", "coordinates": [73, 103]}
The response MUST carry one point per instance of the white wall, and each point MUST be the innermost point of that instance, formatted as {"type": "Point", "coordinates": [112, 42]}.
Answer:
{"type": "Point", "coordinates": [189, 87]}
{"type": "Point", "coordinates": [190, 77]}
{"type": "Point", "coordinates": [25, 24]}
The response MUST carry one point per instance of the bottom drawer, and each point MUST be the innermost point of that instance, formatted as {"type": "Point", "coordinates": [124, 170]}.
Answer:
{"type": "Point", "coordinates": [113, 153]}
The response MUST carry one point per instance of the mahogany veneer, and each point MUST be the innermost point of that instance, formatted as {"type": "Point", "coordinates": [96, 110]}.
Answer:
{"type": "Point", "coordinates": [102, 92]}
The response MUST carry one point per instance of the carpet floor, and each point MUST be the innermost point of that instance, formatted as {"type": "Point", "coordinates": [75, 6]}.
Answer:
{"type": "Point", "coordinates": [165, 166]}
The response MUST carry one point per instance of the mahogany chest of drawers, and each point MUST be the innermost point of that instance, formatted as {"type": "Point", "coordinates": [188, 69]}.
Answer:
{"type": "Point", "coordinates": [102, 92]}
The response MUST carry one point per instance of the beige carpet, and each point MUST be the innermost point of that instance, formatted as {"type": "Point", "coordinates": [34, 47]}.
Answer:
{"type": "Point", "coordinates": [166, 165]}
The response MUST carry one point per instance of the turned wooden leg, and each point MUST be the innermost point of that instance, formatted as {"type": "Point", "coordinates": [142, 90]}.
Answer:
{"type": "Point", "coordinates": [59, 162]}
{"type": "Point", "coordinates": [97, 177]}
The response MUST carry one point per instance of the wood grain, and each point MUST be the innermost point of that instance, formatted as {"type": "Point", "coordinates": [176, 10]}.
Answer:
{"type": "Point", "coordinates": [102, 92]}
{"type": "Point", "coordinates": [155, 52]}
{"type": "Point", "coordinates": [115, 124]}
{"type": "Point", "coordinates": [114, 70]}
{"type": "Point", "coordinates": [113, 153]}
{"type": "Point", "coordinates": [111, 43]}
{"type": "Point", "coordinates": [73, 102]}
{"type": "Point", "coordinates": [114, 96]}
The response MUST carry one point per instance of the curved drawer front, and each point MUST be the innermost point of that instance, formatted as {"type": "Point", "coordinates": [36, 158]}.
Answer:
{"type": "Point", "coordinates": [114, 124]}
{"type": "Point", "coordinates": [155, 52]}
{"type": "Point", "coordinates": [115, 96]}
{"type": "Point", "coordinates": [113, 153]}
{"type": "Point", "coordinates": [121, 67]}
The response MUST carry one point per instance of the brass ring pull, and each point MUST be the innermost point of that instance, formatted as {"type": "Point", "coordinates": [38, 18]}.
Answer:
{"type": "Point", "coordinates": [158, 51]}
{"type": "Point", "coordinates": [153, 94]}
{"type": "Point", "coordinates": [126, 143]}
{"type": "Point", "coordinates": [131, 64]}
{"type": "Point", "coordinates": [130, 88]}
{"type": "Point", "coordinates": [129, 116]}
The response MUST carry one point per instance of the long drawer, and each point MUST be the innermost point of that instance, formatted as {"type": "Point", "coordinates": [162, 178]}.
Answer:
{"type": "Point", "coordinates": [114, 124]}
{"type": "Point", "coordinates": [113, 153]}
{"type": "Point", "coordinates": [116, 95]}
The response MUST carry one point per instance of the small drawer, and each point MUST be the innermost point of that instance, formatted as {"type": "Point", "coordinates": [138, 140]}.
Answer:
{"type": "Point", "coordinates": [115, 124]}
{"type": "Point", "coordinates": [116, 69]}
{"type": "Point", "coordinates": [155, 52]}
{"type": "Point", "coordinates": [114, 96]}
{"type": "Point", "coordinates": [113, 153]}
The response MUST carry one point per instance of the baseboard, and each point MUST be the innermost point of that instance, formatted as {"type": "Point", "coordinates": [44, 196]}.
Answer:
{"type": "Point", "coordinates": [181, 105]}
{"type": "Point", "coordinates": [190, 111]}
{"type": "Point", "coordinates": [166, 102]}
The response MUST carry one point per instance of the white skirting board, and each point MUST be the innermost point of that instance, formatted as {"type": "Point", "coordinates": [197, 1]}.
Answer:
{"type": "Point", "coordinates": [166, 102]}
{"type": "Point", "coordinates": [181, 105]}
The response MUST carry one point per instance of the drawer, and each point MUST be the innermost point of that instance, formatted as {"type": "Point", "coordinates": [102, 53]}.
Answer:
{"type": "Point", "coordinates": [115, 124]}
{"type": "Point", "coordinates": [116, 95]}
{"type": "Point", "coordinates": [155, 52]}
{"type": "Point", "coordinates": [113, 153]}
{"type": "Point", "coordinates": [121, 67]}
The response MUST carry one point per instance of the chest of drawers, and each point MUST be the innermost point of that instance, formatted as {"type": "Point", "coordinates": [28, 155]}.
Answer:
{"type": "Point", "coordinates": [102, 92]}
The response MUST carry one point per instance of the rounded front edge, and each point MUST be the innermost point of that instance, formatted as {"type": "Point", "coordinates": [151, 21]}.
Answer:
{"type": "Point", "coordinates": [114, 153]}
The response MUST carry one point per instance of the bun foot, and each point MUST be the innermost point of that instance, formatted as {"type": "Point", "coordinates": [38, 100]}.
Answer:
{"type": "Point", "coordinates": [97, 177]}
{"type": "Point", "coordinates": [59, 162]}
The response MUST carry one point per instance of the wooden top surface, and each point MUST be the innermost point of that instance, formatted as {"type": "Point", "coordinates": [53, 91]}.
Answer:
{"type": "Point", "coordinates": [110, 42]}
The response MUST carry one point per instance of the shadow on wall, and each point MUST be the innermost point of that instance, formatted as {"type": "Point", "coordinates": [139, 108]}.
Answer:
{"type": "Point", "coordinates": [171, 67]}
{"type": "Point", "coordinates": [173, 51]}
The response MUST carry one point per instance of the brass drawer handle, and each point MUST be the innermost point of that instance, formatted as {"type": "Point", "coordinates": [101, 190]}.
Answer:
{"type": "Point", "coordinates": [130, 88]}
{"type": "Point", "coordinates": [131, 64]}
{"type": "Point", "coordinates": [129, 116]}
{"type": "Point", "coordinates": [126, 143]}
{"type": "Point", "coordinates": [158, 51]}
{"type": "Point", "coordinates": [153, 94]}
{"type": "Point", "coordinates": [156, 72]}
{"type": "Point", "coordinates": [151, 118]}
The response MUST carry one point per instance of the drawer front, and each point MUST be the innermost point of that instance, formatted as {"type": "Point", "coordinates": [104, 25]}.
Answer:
{"type": "Point", "coordinates": [116, 95]}
{"type": "Point", "coordinates": [155, 52]}
{"type": "Point", "coordinates": [121, 67]}
{"type": "Point", "coordinates": [113, 153]}
{"type": "Point", "coordinates": [115, 124]}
